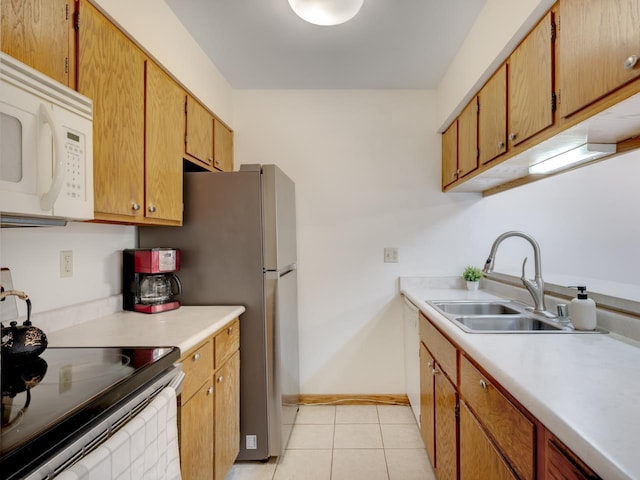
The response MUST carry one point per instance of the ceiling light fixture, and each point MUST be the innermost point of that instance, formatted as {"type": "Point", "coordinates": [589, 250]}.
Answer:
{"type": "Point", "coordinates": [584, 153]}
{"type": "Point", "coordinates": [326, 12]}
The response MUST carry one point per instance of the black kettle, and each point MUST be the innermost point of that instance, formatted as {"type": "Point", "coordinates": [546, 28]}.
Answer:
{"type": "Point", "coordinates": [21, 343]}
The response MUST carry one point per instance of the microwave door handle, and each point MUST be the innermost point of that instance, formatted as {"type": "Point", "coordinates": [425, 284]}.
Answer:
{"type": "Point", "coordinates": [48, 199]}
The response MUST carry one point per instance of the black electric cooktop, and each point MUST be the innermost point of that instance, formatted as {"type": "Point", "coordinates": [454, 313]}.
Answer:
{"type": "Point", "coordinates": [49, 400]}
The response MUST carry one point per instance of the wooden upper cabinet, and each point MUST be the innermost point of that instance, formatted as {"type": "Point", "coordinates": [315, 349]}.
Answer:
{"type": "Point", "coordinates": [450, 154]}
{"type": "Point", "coordinates": [199, 133]}
{"type": "Point", "coordinates": [492, 117]}
{"type": "Point", "coordinates": [164, 145]}
{"type": "Point", "coordinates": [222, 146]}
{"type": "Point", "coordinates": [596, 39]}
{"type": "Point", "coordinates": [111, 71]}
{"type": "Point", "coordinates": [531, 83]}
{"type": "Point", "coordinates": [39, 34]}
{"type": "Point", "coordinates": [468, 139]}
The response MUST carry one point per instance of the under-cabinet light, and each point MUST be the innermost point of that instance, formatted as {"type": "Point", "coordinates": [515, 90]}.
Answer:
{"type": "Point", "coordinates": [575, 156]}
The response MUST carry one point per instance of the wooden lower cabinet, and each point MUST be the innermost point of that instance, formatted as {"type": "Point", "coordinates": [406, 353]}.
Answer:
{"type": "Point", "coordinates": [209, 413]}
{"type": "Point", "coordinates": [474, 430]}
{"type": "Point", "coordinates": [479, 458]}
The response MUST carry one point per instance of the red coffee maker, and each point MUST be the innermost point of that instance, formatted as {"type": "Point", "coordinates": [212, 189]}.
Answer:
{"type": "Point", "coordinates": [149, 282]}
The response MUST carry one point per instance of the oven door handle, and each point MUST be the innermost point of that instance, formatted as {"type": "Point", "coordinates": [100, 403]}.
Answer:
{"type": "Point", "coordinates": [177, 381]}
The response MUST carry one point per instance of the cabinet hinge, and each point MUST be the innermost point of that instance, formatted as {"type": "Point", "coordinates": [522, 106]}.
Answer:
{"type": "Point", "coordinates": [76, 21]}
{"type": "Point", "coordinates": [66, 65]}
{"type": "Point", "coordinates": [66, 11]}
{"type": "Point", "coordinates": [558, 98]}
{"type": "Point", "coordinates": [457, 410]}
{"type": "Point", "coordinates": [553, 102]}
{"type": "Point", "coordinates": [553, 32]}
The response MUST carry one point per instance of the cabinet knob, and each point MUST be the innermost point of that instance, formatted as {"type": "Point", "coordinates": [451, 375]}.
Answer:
{"type": "Point", "coordinates": [630, 62]}
{"type": "Point", "coordinates": [434, 372]}
{"type": "Point", "coordinates": [512, 136]}
{"type": "Point", "coordinates": [152, 208]}
{"type": "Point", "coordinates": [500, 145]}
{"type": "Point", "coordinates": [135, 207]}
{"type": "Point", "coordinates": [229, 330]}
{"type": "Point", "coordinates": [210, 391]}
{"type": "Point", "coordinates": [210, 159]}
{"type": "Point", "coordinates": [220, 379]}
{"type": "Point", "coordinates": [217, 163]}
{"type": "Point", "coordinates": [430, 364]}
{"type": "Point", "coordinates": [196, 357]}
{"type": "Point", "coordinates": [483, 385]}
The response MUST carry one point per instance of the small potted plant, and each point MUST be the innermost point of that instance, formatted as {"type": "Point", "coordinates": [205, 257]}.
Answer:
{"type": "Point", "coordinates": [472, 275]}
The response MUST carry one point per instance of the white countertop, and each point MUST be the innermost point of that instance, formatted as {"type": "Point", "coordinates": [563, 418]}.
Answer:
{"type": "Point", "coordinates": [585, 388]}
{"type": "Point", "coordinates": [183, 328]}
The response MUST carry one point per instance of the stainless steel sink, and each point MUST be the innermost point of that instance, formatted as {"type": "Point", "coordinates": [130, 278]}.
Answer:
{"type": "Point", "coordinates": [475, 308]}
{"type": "Point", "coordinates": [499, 316]}
{"type": "Point", "coordinates": [506, 323]}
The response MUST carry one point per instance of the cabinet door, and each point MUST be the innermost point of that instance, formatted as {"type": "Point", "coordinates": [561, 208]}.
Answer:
{"type": "Point", "coordinates": [111, 71]}
{"type": "Point", "coordinates": [427, 403]}
{"type": "Point", "coordinates": [446, 427]}
{"type": "Point", "coordinates": [596, 39]}
{"type": "Point", "coordinates": [227, 416]}
{"type": "Point", "coordinates": [450, 154]}
{"type": "Point", "coordinates": [199, 128]}
{"type": "Point", "coordinates": [222, 147]}
{"type": "Point", "coordinates": [164, 124]}
{"type": "Point", "coordinates": [196, 434]}
{"type": "Point", "coordinates": [468, 139]}
{"type": "Point", "coordinates": [38, 33]}
{"type": "Point", "coordinates": [531, 83]}
{"type": "Point", "coordinates": [492, 117]}
{"type": "Point", "coordinates": [479, 459]}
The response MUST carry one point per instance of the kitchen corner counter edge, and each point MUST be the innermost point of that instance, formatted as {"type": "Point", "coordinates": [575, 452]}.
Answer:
{"type": "Point", "coordinates": [184, 328]}
{"type": "Point", "coordinates": [583, 388]}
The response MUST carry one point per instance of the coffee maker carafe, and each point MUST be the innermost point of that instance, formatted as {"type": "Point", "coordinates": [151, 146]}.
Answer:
{"type": "Point", "coordinates": [149, 282]}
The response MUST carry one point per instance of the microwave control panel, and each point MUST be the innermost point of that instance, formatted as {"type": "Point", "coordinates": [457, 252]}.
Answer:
{"type": "Point", "coordinates": [75, 182]}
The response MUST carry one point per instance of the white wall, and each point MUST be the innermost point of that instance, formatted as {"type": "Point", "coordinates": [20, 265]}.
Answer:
{"type": "Point", "coordinates": [367, 171]}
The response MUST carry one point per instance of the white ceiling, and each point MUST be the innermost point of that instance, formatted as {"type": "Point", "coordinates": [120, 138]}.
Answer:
{"type": "Point", "coordinates": [390, 44]}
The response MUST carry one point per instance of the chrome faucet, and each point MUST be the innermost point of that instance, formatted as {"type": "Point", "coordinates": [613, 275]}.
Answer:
{"type": "Point", "coordinates": [535, 287]}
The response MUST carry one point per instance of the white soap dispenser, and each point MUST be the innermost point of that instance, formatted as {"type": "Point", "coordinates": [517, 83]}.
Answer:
{"type": "Point", "coordinates": [582, 310]}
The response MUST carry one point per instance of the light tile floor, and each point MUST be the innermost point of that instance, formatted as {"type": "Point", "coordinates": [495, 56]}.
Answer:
{"type": "Point", "coordinates": [347, 442]}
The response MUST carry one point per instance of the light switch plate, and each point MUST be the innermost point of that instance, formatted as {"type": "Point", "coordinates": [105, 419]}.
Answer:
{"type": "Point", "coordinates": [390, 255]}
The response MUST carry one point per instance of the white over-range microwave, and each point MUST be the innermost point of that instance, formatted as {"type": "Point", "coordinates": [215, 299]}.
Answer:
{"type": "Point", "coordinates": [46, 148]}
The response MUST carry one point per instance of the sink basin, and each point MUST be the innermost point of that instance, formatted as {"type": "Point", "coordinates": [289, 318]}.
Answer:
{"type": "Point", "coordinates": [499, 316]}
{"type": "Point", "coordinates": [475, 308]}
{"type": "Point", "coordinates": [509, 323]}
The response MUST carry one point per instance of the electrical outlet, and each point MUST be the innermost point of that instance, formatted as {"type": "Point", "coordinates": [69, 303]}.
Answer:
{"type": "Point", "coordinates": [66, 263]}
{"type": "Point", "coordinates": [390, 255]}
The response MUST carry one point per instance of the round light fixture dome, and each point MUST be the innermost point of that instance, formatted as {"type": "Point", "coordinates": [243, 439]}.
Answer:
{"type": "Point", "coordinates": [326, 12]}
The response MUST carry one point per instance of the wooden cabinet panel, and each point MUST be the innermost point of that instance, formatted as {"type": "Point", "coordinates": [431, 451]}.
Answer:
{"type": "Point", "coordinates": [197, 365]}
{"type": "Point", "coordinates": [226, 343]}
{"type": "Point", "coordinates": [442, 350]}
{"type": "Point", "coordinates": [196, 434]}
{"type": "Point", "coordinates": [450, 154]}
{"type": "Point", "coordinates": [446, 399]}
{"type": "Point", "coordinates": [492, 117]}
{"type": "Point", "coordinates": [111, 71]}
{"type": "Point", "coordinates": [164, 145]}
{"type": "Point", "coordinates": [513, 433]}
{"type": "Point", "coordinates": [222, 146]}
{"type": "Point", "coordinates": [227, 416]}
{"type": "Point", "coordinates": [479, 459]}
{"type": "Point", "coordinates": [595, 39]}
{"type": "Point", "coordinates": [562, 464]}
{"type": "Point", "coordinates": [531, 83]}
{"type": "Point", "coordinates": [199, 131]}
{"type": "Point", "coordinates": [38, 33]}
{"type": "Point", "coordinates": [468, 139]}
{"type": "Point", "coordinates": [427, 403]}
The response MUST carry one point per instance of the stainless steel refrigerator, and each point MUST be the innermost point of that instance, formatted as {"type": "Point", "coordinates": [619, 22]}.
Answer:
{"type": "Point", "coordinates": [238, 247]}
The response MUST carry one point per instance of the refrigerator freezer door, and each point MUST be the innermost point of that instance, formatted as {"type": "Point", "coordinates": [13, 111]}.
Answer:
{"type": "Point", "coordinates": [279, 218]}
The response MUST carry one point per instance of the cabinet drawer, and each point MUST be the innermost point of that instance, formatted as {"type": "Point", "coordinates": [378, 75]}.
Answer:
{"type": "Point", "coordinates": [227, 342]}
{"type": "Point", "coordinates": [441, 349]}
{"type": "Point", "coordinates": [513, 433]}
{"type": "Point", "coordinates": [197, 365]}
